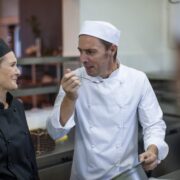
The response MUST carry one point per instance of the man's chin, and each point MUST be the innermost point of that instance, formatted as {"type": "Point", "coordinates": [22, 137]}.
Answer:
{"type": "Point", "coordinates": [91, 74]}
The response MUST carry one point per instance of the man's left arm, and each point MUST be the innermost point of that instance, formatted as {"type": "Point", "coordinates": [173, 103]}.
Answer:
{"type": "Point", "coordinates": [150, 117]}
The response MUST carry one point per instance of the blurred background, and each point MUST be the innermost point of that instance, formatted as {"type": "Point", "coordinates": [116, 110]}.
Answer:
{"type": "Point", "coordinates": [44, 37]}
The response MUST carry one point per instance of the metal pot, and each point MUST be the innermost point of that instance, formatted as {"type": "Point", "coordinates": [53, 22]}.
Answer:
{"type": "Point", "coordinates": [135, 173]}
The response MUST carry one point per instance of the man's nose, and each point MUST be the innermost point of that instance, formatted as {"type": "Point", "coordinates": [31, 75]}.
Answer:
{"type": "Point", "coordinates": [83, 57]}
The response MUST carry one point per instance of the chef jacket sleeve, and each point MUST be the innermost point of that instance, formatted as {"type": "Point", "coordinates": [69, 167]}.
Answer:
{"type": "Point", "coordinates": [54, 127]}
{"type": "Point", "coordinates": [150, 117]}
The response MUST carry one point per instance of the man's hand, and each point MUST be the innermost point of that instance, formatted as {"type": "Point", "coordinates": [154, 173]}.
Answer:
{"type": "Point", "coordinates": [70, 84]}
{"type": "Point", "coordinates": [149, 158]}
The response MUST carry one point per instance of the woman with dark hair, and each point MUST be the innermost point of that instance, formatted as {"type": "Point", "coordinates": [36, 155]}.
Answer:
{"type": "Point", "coordinates": [17, 155]}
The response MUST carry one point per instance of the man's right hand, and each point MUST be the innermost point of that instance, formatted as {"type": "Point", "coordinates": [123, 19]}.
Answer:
{"type": "Point", "coordinates": [70, 84]}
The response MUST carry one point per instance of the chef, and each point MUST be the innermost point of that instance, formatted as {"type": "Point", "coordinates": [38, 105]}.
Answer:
{"type": "Point", "coordinates": [17, 155]}
{"type": "Point", "coordinates": [104, 100]}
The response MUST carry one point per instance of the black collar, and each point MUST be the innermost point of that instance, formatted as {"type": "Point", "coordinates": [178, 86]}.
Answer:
{"type": "Point", "coordinates": [9, 99]}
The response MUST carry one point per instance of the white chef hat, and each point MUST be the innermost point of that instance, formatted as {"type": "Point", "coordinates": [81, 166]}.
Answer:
{"type": "Point", "coordinates": [102, 30]}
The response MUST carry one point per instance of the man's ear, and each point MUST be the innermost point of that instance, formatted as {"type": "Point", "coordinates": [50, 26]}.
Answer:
{"type": "Point", "coordinates": [113, 49]}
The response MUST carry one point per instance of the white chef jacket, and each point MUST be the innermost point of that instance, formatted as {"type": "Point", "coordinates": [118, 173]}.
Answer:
{"type": "Point", "coordinates": [106, 121]}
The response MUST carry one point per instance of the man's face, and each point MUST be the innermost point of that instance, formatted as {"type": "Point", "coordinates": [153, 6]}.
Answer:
{"type": "Point", "coordinates": [97, 60]}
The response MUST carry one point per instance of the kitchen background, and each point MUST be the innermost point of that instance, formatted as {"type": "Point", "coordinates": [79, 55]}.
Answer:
{"type": "Point", "coordinates": [145, 27]}
{"type": "Point", "coordinates": [44, 36]}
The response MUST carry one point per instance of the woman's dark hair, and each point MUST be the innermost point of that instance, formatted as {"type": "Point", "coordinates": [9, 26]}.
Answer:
{"type": "Point", "coordinates": [107, 46]}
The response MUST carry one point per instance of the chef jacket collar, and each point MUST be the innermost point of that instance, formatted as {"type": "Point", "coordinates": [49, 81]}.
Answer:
{"type": "Point", "coordinates": [9, 98]}
{"type": "Point", "coordinates": [119, 74]}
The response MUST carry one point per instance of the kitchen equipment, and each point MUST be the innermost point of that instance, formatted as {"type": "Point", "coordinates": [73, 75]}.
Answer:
{"type": "Point", "coordinates": [43, 143]}
{"type": "Point", "coordinates": [93, 81]}
{"type": "Point", "coordinates": [135, 173]}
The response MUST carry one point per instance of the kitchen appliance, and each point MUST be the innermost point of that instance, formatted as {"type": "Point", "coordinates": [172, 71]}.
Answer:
{"type": "Point", "coordinates": [135, 173]}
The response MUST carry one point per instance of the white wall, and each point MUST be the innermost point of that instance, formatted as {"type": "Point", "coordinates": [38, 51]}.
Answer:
{"type": "Point", "coordinates": [9, 14]}
{"type": "Point", "coordinates": [174, 16]}
{"type": "Point", "coordinates": [9, 8]}
{"type": "Point", "coordinates": [139, 20]}
{"type": "Point", "coordinates": [143, 24]}
{"type": "Point", "coordinates": [70, 27]}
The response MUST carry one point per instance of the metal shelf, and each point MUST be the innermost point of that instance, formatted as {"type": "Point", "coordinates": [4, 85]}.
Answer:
{"type": "Point", "coordinates": [45, 60]}
{"type": "Point", "coordinates": [31, 91]}
{"type": "Point", "coordinates": [35, 91]}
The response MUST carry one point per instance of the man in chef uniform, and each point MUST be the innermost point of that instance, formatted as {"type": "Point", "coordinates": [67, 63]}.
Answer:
{"type": "Point", "coordinates": [104, 100]}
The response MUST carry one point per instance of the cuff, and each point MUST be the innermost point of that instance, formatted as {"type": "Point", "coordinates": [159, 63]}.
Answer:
{"type": "Point", "coordinates": [162, 146]}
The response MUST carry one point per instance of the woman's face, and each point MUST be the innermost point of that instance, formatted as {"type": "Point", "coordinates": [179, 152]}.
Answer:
{"type": "Point", "coordinates": [9, 72]}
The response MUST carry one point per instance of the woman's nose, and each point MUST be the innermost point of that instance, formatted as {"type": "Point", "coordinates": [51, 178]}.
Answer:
{"type": "Point", "coordinates": [18, 71]}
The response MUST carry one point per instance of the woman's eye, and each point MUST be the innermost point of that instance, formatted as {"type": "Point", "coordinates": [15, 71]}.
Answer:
{"type": "Point", "coordinates": [12, 65]}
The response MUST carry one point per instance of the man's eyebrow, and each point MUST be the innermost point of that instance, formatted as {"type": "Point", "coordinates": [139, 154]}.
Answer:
{"type": "Point", "coordinates": [89, 49]}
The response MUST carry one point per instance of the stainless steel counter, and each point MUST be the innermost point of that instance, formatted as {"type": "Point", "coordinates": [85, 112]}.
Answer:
{"type": "Point", "coordinates": [57, 163]}
{"type": "Point", "coordinates": [173, 175]}
{"type": "Point", "coordinates": [63, 153]}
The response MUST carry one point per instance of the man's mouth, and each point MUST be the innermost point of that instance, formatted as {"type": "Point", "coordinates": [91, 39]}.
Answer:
{"type": "Point", "coordinates": [89, 67]}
